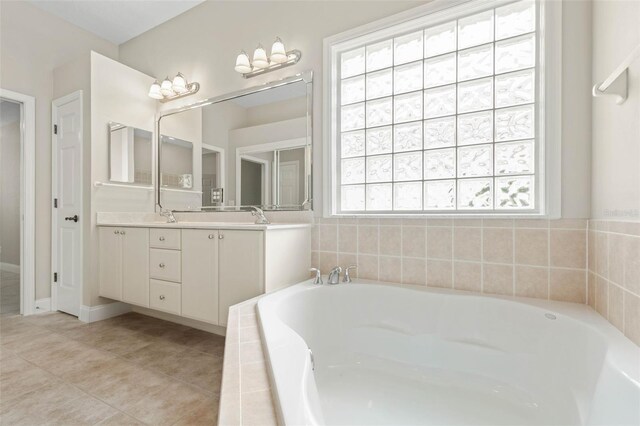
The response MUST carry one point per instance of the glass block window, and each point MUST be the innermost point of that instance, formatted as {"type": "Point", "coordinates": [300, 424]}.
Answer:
{"type": "Point", "coordinates": [442, 118]}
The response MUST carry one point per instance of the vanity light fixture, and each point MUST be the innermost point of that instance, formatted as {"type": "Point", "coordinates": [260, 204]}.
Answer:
{"type": "Point", "coordinates": [169, 90]}
{"type": "Point", "coordinates": [260, 58]}
{"type": "Point", "coordinates": [262, 63]}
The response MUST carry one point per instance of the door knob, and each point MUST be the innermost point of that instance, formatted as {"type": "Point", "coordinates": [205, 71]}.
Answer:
{"type": "Point", "coordinates": [211, 236]}
{"type": "Point", "coordinates": [221, 237]}
{"type": "Point", "coordinates": [73, 218]}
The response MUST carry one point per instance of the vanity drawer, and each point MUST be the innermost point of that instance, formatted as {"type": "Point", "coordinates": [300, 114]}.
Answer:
{"type": "Point", "coordinates": [165, 265]}
{"type": "Point", "coordinates": [164, 296]}
{"type": "Point", "coordinates": [165, 238]}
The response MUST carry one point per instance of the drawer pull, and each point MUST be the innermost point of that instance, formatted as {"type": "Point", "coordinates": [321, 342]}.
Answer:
{"type": "Point", "coordinates": [211, 236]}
{"type": "Point", "coordinates": [161, 265]}
{"type": "Point", "coordinates": [161, 238]}
{"type": "Point", "coordinates": [162, 297]}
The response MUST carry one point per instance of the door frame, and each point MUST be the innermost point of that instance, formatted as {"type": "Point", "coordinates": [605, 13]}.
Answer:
{"type": "Point", "coordinates": [54, 194]}
{"type": "Point", "coordinates": [27, 198]}
{"type": "Point", "coordinates": [222, 160]}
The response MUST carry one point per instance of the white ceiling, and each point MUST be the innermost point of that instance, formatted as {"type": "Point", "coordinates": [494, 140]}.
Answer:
{"type": "Point", "coordinates": [116, 20]}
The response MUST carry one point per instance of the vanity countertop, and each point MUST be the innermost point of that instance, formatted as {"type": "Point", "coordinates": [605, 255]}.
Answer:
{"type": "Point", "coordinates": [207, 225]}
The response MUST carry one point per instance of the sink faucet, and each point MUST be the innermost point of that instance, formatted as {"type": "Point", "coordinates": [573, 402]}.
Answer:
{"type": "Point", "coordinates": [334, 275]}
{"type": "Point", "coordinates": [261, 219]}
{"type": "Point", "coordinates": [168, 214]}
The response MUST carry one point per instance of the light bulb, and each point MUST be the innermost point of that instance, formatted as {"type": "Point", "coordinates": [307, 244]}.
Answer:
{"type": "Point", "coordinates": [278, 52]}
{"type": "Point", "coordinates": [179, 84]}
{"type": "Point", "coordinates": [260, 57]}
{"type": "Point", "coordinates": [154, 91]}
{"type": "Point", "coordinates": [165, 87]}
{"type": "Point", "coordinates": [243, 65]}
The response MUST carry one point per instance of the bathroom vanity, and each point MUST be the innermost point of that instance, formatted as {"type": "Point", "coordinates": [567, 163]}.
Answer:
{"type": "Point", "coordinates": [198, 269]}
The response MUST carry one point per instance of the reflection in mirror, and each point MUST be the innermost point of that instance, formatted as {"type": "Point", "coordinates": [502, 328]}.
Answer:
{"type": "Point", "coordinates": [253, 149]}
{"type": "Point", "coordinates": [177, 172]}
{"type": "Point", "coordinates": [212, 176]}
{"type": "Point", "coordinates": [129, 154]}
{"type": "Point", "coordinates": [272, 174]}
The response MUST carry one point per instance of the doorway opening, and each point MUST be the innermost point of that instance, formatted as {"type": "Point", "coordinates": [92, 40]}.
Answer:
{"type": "Point", "coordinates": [17, 203]}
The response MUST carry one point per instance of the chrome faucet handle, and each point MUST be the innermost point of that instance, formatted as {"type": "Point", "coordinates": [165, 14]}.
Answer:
{"type": "Point", "coordinates": [318, 278]}
{"type": "Point", "coordinates": [334, 275]}
{"type": "Point", "coordinates": [347, 276]}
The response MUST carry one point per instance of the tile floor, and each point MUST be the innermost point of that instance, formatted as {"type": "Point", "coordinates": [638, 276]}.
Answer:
{"type": "Point", "coordinates": [9, 292]}
{"type": "Point", "coordinates": [127, 370]}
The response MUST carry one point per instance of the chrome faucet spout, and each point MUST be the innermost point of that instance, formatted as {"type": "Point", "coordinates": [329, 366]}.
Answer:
{"type": "Point", "coordinates": [334, 275]}
{"type": "Point", "coordinates": [261, 219]}
{"type": "Point", "coordinates": [169, 215]}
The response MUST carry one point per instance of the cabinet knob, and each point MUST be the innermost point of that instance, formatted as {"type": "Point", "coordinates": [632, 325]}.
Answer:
{"type": "Point", "coordinates": [211, 236]}
{"type": "Point", "coordinates": [161, 238]}
{"type": "Point", "coordinates": [121, 232]}
{"type": "Point", "coordinates": [161, 265]}
{"type": "Point", "coordinates": [116, 232]}
{"type": "Point", "coordinates": [221, 236]}
{"type": "Point", "coordinates": [162, 297]}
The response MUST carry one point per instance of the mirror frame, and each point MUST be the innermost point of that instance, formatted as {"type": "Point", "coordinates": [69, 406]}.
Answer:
{"type": "Point", "coordinates": [306, 77]}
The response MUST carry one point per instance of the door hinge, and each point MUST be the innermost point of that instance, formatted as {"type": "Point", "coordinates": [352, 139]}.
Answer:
{"type": "Point", "coordinates": [55, 203]}
{"type": "Point", "coordinates": [55, 277]}
{"type": "Point", "coordinates": [55, 129]}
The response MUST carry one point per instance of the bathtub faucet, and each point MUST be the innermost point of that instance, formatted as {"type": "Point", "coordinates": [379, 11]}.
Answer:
{"type": "Point", "coordinates": [334, 275]}
{"type": "Point", "coordinates": [318, 278]}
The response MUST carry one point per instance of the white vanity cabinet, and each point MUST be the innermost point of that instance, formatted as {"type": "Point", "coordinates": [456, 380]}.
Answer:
{"type": "Point", "coordinates": [124, 264]}
{"type": "Point", "coordinates": [198, 273]}
{"type": "Point", "coordinates": [241, 268]}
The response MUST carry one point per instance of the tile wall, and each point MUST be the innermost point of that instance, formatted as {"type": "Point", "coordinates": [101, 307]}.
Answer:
{"type": "Point", "coordinates": [532, 258]}
{"type": "Point", "coordinates": [614, 274]}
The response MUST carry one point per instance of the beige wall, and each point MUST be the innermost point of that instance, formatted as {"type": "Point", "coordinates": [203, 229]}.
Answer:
{"type": "Point", "coordinates": [205, 41]}
{"type": "Point", "coordinates": [10, 192]}
{"type": "Point", "coordinates": [119, 94]}
{"type": "Point", "coordinates": [616, 128]}
{"type": "Point", "coordinates": [32, 44]}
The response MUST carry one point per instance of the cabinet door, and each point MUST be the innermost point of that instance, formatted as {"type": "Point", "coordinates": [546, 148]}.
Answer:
{"type": "Point", "coordinates": [135, 266]}
{"type": "Point", "coordinates": [241, 268]}
{"type": "Point", "coordinates": [200, 274]}
{"type": "Point", "coordinates": [110, 262]}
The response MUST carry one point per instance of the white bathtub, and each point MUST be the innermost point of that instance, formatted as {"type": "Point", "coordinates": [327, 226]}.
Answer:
{"type": "Point", "coordinates": [400, 355]}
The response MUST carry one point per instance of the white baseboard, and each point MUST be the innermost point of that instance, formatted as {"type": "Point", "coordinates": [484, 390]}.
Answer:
{"type": "Point", "coordinates": [102, 312]}
{"type": "Point", "coordinates": [200, 325]}
{"type": "Point", "coordinates": [42, 305]}
{"type": "Point", "coordinates": [10, 267]}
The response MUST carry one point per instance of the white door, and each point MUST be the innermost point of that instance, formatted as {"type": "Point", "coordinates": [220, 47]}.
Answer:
{"type": "Point", "coordinates": [67, 191]}
{"type": "Point", "coordinates": [289, 183]}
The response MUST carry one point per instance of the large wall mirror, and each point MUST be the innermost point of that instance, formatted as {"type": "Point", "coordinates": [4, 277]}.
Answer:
{"type": "Point", "coordinates": [250, 148]}
{"type": "Point", "coordinates": [130, 155]}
